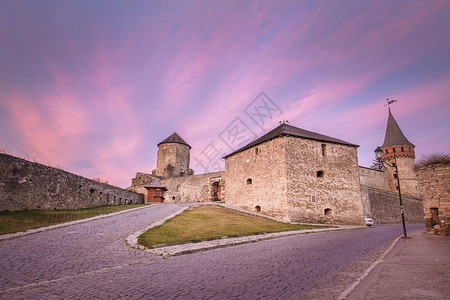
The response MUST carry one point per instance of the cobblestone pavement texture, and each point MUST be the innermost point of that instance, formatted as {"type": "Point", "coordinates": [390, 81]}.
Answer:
{"type": "Point", "coordinates": [92, 260]}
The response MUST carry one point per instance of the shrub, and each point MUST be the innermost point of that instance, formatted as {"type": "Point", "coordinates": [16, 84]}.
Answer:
{"type": "Point", "coordinates": [433, 159]}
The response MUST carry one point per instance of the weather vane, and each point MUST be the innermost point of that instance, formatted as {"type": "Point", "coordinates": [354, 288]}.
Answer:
{"type": "Point", "coordinates": [389, 102]}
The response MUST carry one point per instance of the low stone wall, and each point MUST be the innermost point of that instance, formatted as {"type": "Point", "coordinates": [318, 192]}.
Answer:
{"type": "Point", "coordinates": [30, 185]}
{"type": "Point", "coordinates": [195, 188]}
{"type": "Point", "coordinates": [384, 206]}
{"type": "Point", "coordinates": [434, 182]}
{"type": "Point", "coordinates": [373, 178]}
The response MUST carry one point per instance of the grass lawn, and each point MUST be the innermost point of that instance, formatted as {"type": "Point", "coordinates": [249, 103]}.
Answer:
{"type": "Point", "coordinates": [210, 222]}
{"type": "Point", "coordinates": [15, 221]}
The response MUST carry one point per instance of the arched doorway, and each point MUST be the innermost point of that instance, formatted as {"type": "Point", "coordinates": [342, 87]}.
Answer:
{"type": "Point", "coordinates": [216, 191]}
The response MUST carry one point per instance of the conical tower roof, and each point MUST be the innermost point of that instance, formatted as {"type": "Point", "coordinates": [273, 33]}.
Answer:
{"type": "Point", "coordinates": [394, 135]}
{"type": "Point", "coordinates": [175, 138]}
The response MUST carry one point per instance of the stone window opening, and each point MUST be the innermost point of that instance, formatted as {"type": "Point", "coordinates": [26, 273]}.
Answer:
{"type": "Point", "coordinates": [249, 181]}
{"type": "Point", "coordinates": [320, 174]}
{"type": "Point", "coordinates": [313, 199]}
{"type": "Point", "coordinates": [402, 149]}
{"type": "Point", "coordinates": [328, 211]}
{"type": "Point", "coordinates": [173, 197]}
{"type": "Point", "coordinates": [324, 150]}
{"type": "Point", "coordinates": [91, 192]}
{"type": "Point", "coordinates": [258, 208]}
{"type": "Point", "coordinates": [387, 151]}
{"type": "Point", "coordinates": [393, 149]}
{"type": "Point", "coordinates": [256, 151]}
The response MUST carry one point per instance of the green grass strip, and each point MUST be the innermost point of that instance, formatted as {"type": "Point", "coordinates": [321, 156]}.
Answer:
{"type": "Point", "coordinates": [16, 221]}
{"type": "Point", "coordinates": [210, 222]}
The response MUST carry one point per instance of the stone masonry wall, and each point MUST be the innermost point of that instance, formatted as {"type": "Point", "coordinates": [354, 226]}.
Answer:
{"type": "Point", "coordinates": [195, 188]}
{"type": "Point", "coordinates": [29, 185]}
{"type": "Point", "coordinates": [384, 206]}
{"type": "Point", "coordinates": [172, 160]}
{"type": "Point", "coordinates": [323, 184]}
{"type": "Point", "coordinates": [434, 183]}
{"type": "Point", "coordinates": [138, 182]}
{"type": "Point", "coordinates": [373, 178]}
{"type": "Point", "coordinates": [256, 178]}
{"type": "Point", "coordinates": [409, 184]}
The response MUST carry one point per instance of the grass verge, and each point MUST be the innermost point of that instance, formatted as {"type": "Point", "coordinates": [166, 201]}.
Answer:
{"type": "Point", "coordinates": [16, 221]}
{"type": "Point", "coordinates": [210, 222]}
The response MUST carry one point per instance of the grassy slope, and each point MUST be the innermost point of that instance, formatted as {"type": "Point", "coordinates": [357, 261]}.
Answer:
{"type": "Point", "coordinates": [210, 222]}
{"type": "Point", "coordinates": [15, 221]}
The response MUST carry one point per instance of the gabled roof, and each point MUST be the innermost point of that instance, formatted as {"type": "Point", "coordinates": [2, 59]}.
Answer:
{"type": "Point", "coordinates": [174, 138]}
{"type": "Point", "coordinates": [288, 130]}
{"type": "Point", "coordinates": [394, 135]}
{"type": "Point", "coordinates": [155, 184]}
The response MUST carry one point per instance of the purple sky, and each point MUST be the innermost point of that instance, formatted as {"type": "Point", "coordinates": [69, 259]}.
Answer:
{"type": "Point", "coordinates": [93, 86]}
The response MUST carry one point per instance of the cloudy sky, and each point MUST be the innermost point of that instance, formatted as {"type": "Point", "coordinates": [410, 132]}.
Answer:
{"type": "Point", "coordinates": [93, 86]}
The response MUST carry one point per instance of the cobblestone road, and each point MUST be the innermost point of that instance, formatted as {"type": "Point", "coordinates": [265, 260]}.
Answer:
{"type": "Point", "coordinates": [92, 260]}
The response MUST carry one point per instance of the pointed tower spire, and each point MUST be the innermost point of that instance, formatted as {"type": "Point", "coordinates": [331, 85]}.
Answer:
{"type": "Point", "coordinates": [397, 149]}
{"type": "Point", "coordinates": [394, 135]}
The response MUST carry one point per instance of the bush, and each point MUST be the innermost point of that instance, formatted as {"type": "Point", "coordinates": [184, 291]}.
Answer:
{"type": "Point", "coordinates": [433, 159]}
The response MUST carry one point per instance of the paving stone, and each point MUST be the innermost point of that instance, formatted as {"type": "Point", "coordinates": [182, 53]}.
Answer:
{"type": "Point", "coordinates": [92, 260]}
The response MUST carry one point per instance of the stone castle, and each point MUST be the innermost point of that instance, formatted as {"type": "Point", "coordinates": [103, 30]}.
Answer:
{"type": "Point", "coordinates": [295, 175]}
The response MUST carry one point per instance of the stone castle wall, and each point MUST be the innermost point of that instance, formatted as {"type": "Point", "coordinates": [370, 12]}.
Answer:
{"type": "Point", "coordinates": [384, 206]}
{"type": "Point", "coordinates": [29, 185]}
{"type": "Point", "coordinates": [434, 183]}
{"type": "Point", "coordinates": [373, 178]}
{"type": "Point", "coordinates": [323, 184]}
{"type": "Point", "coordinates": [195, 188]}
{"type": "Point", "coordinates": [256, 178]}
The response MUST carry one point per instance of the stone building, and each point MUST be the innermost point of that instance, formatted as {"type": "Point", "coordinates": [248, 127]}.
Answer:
{"type": "Point", "coordinates": [434, 183]}
{"type": "Point", "coordinates": [296, 175]}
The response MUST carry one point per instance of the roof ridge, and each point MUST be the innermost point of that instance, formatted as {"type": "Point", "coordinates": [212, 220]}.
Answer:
{"type": "Point", "coordinates": [286, 129]}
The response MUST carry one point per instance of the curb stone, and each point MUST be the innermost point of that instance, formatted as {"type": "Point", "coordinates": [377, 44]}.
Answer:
{"type": "Point", "coordinates": [37, 230]}
{"type": "Point", "coordinates": [366, 273]}
{"type": "Point", "coordinates": [132, 238]}
{"type": "Point", "coordinates": [189, 248]}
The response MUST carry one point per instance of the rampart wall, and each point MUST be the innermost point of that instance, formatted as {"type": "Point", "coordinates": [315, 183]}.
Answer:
{"type": "Point", "coordinates": [384, 206]}
{"type": "Point", "coordinates": [373, 178]}
{"type": "Point", "coordinates": [194, 188]}
{"type": "Point", "coordinates": [434, 184]}
{"type": "Point", "coordinates": [30, 185]}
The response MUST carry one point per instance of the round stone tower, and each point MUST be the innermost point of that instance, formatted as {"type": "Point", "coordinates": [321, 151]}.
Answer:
{"type": "Point", "coordinates": [173, 157]}
{"type": "Point", "coordinates": [395, 143]}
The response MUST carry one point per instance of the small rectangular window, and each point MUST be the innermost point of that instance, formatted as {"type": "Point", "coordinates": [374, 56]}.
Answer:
{"type": "Point", "coordinates": [313, 198]}
{"type": "Point", "coordinates": [324, 150]}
